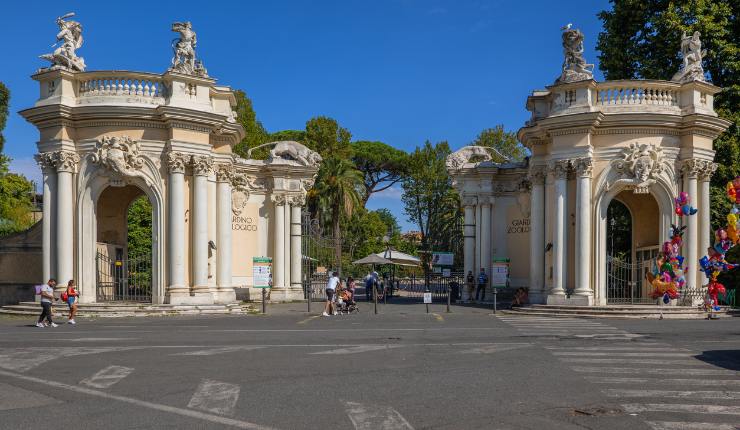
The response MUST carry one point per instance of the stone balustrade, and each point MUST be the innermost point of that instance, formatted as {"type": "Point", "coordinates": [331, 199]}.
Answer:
{"type": "Point", "coordinates": [143, 87]}
{"type": "Point", "coordinates": [646, 93]}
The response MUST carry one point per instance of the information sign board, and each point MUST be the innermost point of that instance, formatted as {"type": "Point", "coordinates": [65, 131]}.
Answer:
{"type": "Point", "coordinates": [262, 272]}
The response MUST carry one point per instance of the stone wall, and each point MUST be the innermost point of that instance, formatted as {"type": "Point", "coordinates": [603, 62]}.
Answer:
{"type": "Point", "coordinates": [20, 265]}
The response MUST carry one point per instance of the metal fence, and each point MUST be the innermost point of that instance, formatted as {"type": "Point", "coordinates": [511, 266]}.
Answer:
{"type": "Point", "coordinates": [412, 289]}
{"type": "Point", "coordinates": [128, 279]}
{"type": "Point", "coordinates": [625, 281]}
{"type": "Point", "coordinates": [318, 258]}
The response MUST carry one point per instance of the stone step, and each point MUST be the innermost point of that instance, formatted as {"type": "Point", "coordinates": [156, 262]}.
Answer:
{"type": "Point", "coordinates": [604, 312]}
{"type": "Point", "coordinates": [619, 307]}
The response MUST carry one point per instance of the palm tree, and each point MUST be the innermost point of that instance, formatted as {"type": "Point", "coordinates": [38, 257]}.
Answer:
{"type": "Point", "coordinates": [336, 195]}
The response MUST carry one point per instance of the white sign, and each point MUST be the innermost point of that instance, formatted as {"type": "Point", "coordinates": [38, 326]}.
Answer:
{"type": "Point", "coordinates": [427, 297]}
{"type": "Point", "coordinates": [262, 272]}
{"type": "Point", "coordinates": [500, 274]}
{"type": "Point", "coordinates": [443, 258]}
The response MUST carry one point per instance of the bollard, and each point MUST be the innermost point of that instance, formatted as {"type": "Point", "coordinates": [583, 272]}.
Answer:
{"type": "Point", "coordinates": [494, 300]}
{"type": "Point", "coordinates": [375, 298]}
{"type": "Point", "coordinates": [385, 295]}
{"type": "Point", "coordinates": [308, 297]}
{"type": "Point", "coordinates": [448, 298]}
{"type": "Point", "coordinates": [264, 299]}
{"type": "Point", "coordinates": [427, 304]}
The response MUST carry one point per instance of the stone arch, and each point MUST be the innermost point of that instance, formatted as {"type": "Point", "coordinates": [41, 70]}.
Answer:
{"type": "Point", "coordinates": [93, 179]}
{"type": "Point", "coordinates": [609, 184]}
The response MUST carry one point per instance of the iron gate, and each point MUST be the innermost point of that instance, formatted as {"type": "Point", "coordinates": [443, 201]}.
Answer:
{"type": "Point", "coordinates": [412, 289]}
{"type": "Point", "coordinates": [625, 281]}
{"type": "Point", "coordinates": [318, 258]}
{"type": "Point", "coordinates": [128, 279]}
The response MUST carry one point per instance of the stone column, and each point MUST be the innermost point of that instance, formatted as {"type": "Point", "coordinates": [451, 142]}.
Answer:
{"type": "Point", "coordinates": [46, 163]}
{"type": "Point", "coordinates": [66, 164]}
{"type": "Point", "coordinates": [690, 170]}
{"type": "Point", "coordinates": [485, 232]}
{"type": "Point", "coordinates": [478, 236]}
{"type": "Point", "coordinates": [296, 252]}
{"type": "Point", "coordinates": [278, 259]}
{"type": "Point", "coordinates": [537, 234]}
{"type": "Point", "coordinates": [704, 205]}
{"type": "Point", "coordinates": [286, 243]}
{"type": "Point", "coordinates": [469, 234]}
{"type": "Point", "coordinates": [559, 171]}
{"type": "Point", "coordinates": [202, 168]}
{"type": "Point", "coordinates": [177, 292]}
{"type": "Point", "coordinates": [583, 167]}
{"type": "Point", "coordinates": [224, 291]}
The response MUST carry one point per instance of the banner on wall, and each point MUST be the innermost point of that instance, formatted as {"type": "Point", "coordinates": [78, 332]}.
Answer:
{"type": "Point", "coordinates": [262, 272]}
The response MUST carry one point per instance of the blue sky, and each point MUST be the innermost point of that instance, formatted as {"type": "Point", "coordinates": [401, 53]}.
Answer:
{"type": "Point", "coordinates": [398, 71]}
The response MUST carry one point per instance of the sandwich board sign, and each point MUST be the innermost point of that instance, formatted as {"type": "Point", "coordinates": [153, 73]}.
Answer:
{"type": "Point", "coordinates": [500, 273]}
{"type": "Point", "coordinates": [262, 272]}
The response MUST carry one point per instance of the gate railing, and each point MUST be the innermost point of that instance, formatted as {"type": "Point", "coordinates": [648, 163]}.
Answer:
{"type": "Point", "coordinates": [128, 279]}
{"type": "Point", "coordinates": [625, 281]}
{"type": "Point", "coordinates": [318, 258]}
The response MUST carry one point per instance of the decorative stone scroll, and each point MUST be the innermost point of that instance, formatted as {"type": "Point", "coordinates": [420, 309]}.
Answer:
{"type": "Point", "coordinates": [559, 169]}
{"type": "Point", "coordinates": [65, 161]}
{"type": "Point", "coordinates": [705, 174]}
{"type": "Point", "coordinates": [202, 165]}
{"type": "Point", "coordinates": [176, 162]}
{"type": "Point", "coordinates": [297, 200]}
{"type": "Point", "coordinates": [278, 199]}
{"type": "Point", "coordinates": [643, 163]}
{"type": "Point", "coordinates": [45, 160]}
{"type": "Point", "coordinates": [69, 39]}
{"type": "Point", "coordinates": [462, 156]}
{"type": "Point", "coordinates": [692, 56]}
{"type": "Point", "coordinates": [224, 173]}
{"type": "Point", "coordinates": [583, 166]}
{"type": "Point", "coordinates": [120, 155]}
{"type": "Point", "coordinates": [575, 67]}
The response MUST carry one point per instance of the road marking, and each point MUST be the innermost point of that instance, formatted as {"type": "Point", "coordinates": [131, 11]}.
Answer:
{"type": "Point", "coordinates": [221, 350]}
{"type": "Point", "coordinates": [627, 354]}
{"type": "Point", "coordinates": [490, 349]}
{"type": "Point", "coordinates": [12, 397]}
{"type": "Point", "coordinates": [438, 317]}
{"type": "Point", "coordinates": [701, 382]}
{"type": "Point", "coordinates": [99, 339]}
{"type": "Point", "coordinates": [155, 406]}
{"type": "Point", "coordinates": [308, 319]}
{"type": "Point", "coordinates": [652, 371]}
{"type": "Point", "coordinates": [357, 349]}
{"type": "Point", "coordinates": [689, 362]}
{"type": "Point", "coordinates": [684, 408]}
{"type": "Point", "coordinates": [215, 396]}
{"type": "Point", "coordinates": [375, 417]}
{"type": "Point", "coordinates": [107, 377]}
{"type": "Point", "coordinates": [612, 348]}
{"type": "Point", "coordinates": [23, 359]}
{"type": "Point", "coordinates": [720, 395]}
{"type": "Point", "coordinates": [676, 425]}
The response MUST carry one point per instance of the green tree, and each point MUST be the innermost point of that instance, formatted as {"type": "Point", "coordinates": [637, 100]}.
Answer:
{"type": "Point", "coordinates": [382, 165]}
{"type": "Point", "coordinates": [139, 219]}
{"type": "Point", "coordinates": [325, 136]}
{"type": "Point", "coordinates": [641, 40]}
{"type": "Point", "coordinates": [504, 142]}
{"type": "Point", "coordinates": [429, 199]}
{"type": "Point", "coordinates": [389, 220]}
{"type": "Point", "coordinates": [4, 102]}
{"type": "Point", "coordinates": [335, 196]}
{"type": "Point", "coordinates": [15, 200]}
{"type": "Point", "coordinates": [294, 135]}
{"type": "Point", "coordinates": [255, 132]}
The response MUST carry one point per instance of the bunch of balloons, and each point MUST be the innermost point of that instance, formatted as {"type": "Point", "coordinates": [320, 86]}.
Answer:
{"type": "Point", "coordinates": [683, 206]}
{"type": "Point", "coordinates": [668, 274]}
{"type": "Point", "coordinates": [725, 238]}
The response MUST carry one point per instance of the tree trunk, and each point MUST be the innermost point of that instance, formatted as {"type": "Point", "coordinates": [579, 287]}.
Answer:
{"type": "Point", "coordinates": [337, 243]}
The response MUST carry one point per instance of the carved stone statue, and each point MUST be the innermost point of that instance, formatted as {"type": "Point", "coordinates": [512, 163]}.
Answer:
{"type": "Point", "coordinates": [462, 156]}
{"type": "Point", "coordinates": [575, 67]}
{"type": "Point", "coordinates": [184, 60]}
{"type": "Point", "coordinates": [289, 151]}
{"type": "Point", "coordinates": [69, 39]}
{"type": "Point", "coordinates": [692, 55]}
{"type": "Point", "coordinates": [119, 154]}
{"type": "Point", "coordinates": [643, 162]}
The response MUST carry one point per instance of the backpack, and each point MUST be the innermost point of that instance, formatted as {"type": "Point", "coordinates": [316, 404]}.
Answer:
{"type": "Point", "coordinates": [65, 296]}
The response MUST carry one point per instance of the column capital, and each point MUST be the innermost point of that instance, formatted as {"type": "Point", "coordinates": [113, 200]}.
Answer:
{"type": "Point", "coordinates": [224, 172]}
{"type": "Point", "coordinates": [691, 167]}
{"type": "Point", "coordinates": [486, 200]}
{"type": "Point", "coordinates": [278, 199]}
{"type": "Point", "coordinates": [583, 166]}
{"type": "Point", "coordinates": [468, 201]}
{"type": "Point", "coordinates": [45, 160]}
{"type": "Point", "coordinates": [537, 174]}
{"type": "Point", "coordinates": [297, 200]}
{"type": "Point", "coordinates": [176, 162]}
{"type": "Point", "coordinates": [202, 165]}
{"type": "Point", "coordinates": [62, 161]}
{"type": "Point", "coordinates": [559, 168]}
{"type": "Point", "coordinates": [707, 170]}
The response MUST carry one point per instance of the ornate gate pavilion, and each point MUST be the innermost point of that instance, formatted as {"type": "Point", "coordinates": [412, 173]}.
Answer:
{"type": "Point", "coordinates": [640, 142]}
{"type": "Point", "coordinates": [108, 137]}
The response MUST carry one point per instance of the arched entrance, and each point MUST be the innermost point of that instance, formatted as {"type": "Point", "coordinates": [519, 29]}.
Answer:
{"type": "Point", "coordinates": [123, 259]}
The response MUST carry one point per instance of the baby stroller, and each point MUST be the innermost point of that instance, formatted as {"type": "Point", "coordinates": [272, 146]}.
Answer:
{"type": "Point", "coordinates": [346, 303]}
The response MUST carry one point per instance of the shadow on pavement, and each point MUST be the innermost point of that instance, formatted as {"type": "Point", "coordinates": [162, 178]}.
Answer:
{"type": "Point", "coordinates": [728, 358]}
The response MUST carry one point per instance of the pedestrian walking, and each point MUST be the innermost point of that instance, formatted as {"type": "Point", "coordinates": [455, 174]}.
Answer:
{"type": "Point", "coordinates": [47, 296]}
{"type": "Point", "coordinates": [482, 282]}
{"type": "Point", "coordinates": [470, 285]}
{"type": "Point", "coordinates": [370, 281]}
{"type": "Point", "coordinates": [70, 296]}
{"type": "Point", "coordinates": [351, 286]}
{"type": "Point", "coordinates": [331, 290]}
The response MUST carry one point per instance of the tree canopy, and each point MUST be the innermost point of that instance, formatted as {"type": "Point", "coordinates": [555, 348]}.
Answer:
{"type": "Point", "coordinates": [4, 102]}
{"type": "Point", "coordinates": [382, 165]}
{"type": "Point", "coordinates": [325, 136]}
{"type": "Point", "coordinates": [255, 133]}
{"type": "Point", "coordinates": [504, 142]}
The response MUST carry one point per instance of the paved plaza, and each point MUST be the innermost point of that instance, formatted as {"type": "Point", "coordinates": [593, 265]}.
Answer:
{"type": "Point", "coordinates": [401, 369]}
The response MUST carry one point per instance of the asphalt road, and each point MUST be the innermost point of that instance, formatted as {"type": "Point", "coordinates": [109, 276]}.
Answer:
{"type": "Point", "coordinates": [402, 369]}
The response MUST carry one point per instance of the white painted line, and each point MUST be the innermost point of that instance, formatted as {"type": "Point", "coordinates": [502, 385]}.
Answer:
{"type": "Point", "coordinates": [632, 370]}
{"type": "Point", "coordinates": [718, 395]}
{"type": "Point", "coordinates": [215, 396]}
{"type": "Point", "coordinates": [627, 354]}
{"type": "Point", "coordinates": [23, 359]}
{"type": "Point", "coordinates": [155, 406]}
{"type": "Point", "coordinates": [643, 361]}
{"type": "Point", "coordinates": [375, 417]}
{"type": "Point", "coordinates": [677, 425]}
{"type": "Point", "coordinates": [701, 382]}
{"type": "Point", "coordinates": [356, 349]}
{"type": "Point", "coordinates": [12, 397]}
{"type": "Point", "coordinates": [615, 335]}
{"type": "Point", "coordinates": [99, 339]}
{"type": "Point", "coordinates": [490, 349]}
{"type": "Point", "coordinates": [107, 377]}
{"type": "Point", "coordinates": [681, 408]}
{"type": "Point", "coordinates": [612, 348]}
{"type": "Point", "coordinates": [221, 350]}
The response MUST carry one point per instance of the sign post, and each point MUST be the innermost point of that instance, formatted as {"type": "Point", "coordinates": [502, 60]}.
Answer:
{"type": "Point", "coordinates": [262, 277]}
{"type": "Point", "coordinates": [499, 277]}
